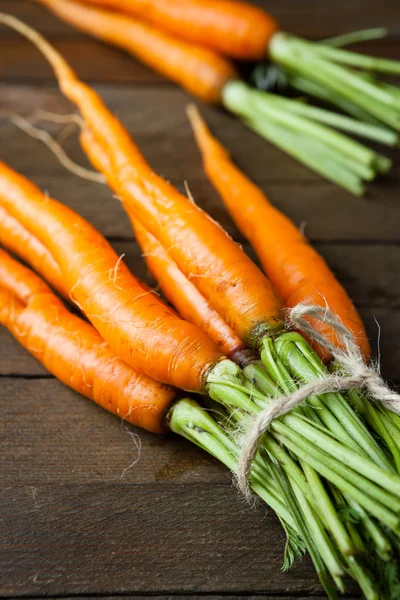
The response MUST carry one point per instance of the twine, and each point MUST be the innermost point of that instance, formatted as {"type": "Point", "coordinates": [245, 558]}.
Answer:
{"type": "Point", "coordinates": [354, 374]}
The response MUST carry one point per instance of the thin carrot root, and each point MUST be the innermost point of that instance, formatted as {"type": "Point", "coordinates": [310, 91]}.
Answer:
{"type": "Point", "coordinates": [58, 151]}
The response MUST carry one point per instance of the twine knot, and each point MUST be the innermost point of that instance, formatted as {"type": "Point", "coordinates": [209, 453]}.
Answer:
{"type": "Point", "coordinates": [352, 373]}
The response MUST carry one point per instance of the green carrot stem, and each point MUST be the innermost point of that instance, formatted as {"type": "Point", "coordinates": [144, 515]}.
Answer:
{"type": "Point", "coordinates": [304, 148]}
{"type": "Point", "coordinates": [316, 89]}
{"type": "Point", "coordinates": [363, 578]}
{"type": "Point", "coordinates": [312, 154]}
{"type": "Point", "coordinates": [257, 374]}
{"type": "Point", "coordinates": [353, 59]}
{"type": "Point", "coordinates": [298, 516]}
{"type": "Point", "coordinates": [349, 458]}
{"type": "Point", "coordinates": [320, 539]}
{"type": "Point", "coordinates": [189, 420]}
{"type": "Point", "coordinates": [344, 479]}
{"type": "Point", "coordinates": [354, 37]}
{"type": "Point", "coordinates": [330, 516]}
{"type": "Point", "coordinates": [299, 56]}
{"type": "Point", "coordinates": [301, 360]}
{"type": "Point", "coordinates": [380, 541]}
{"type": "Point", "coordinates": [285, 114]}
{"type": "Point", "coordinates": [282, 376]}
{"type": "Point", "coordinates": [372, 132]}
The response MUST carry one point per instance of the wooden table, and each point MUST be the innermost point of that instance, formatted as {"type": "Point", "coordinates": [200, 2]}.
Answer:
{"type": "Point", "coordinates": [75, 520]}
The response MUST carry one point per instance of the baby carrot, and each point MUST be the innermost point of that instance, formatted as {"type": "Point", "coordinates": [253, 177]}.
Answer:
{"type": "Point", "coordinates": [200, 71]}
{"type": "Point", "coordinates": [73, 351]}
{"type": "Point", "coordinates": [233, 28]}
{"type": "Point", "coordinates": [137, 325]}
{"type": "Point", "coordinates": [20, 241]}
{"type": "Point", "coordinates": [297, 271]}
{"type": "Point", "coordinates": [227, 278]}
{"type": "Point", "coordinates": [183, 295]}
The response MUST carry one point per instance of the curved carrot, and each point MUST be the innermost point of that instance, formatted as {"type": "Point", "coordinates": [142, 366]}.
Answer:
{"type": "Point", "coordinates": [233, 28]}
{"type": "Point", "coordinates": [73, 351]}
{"type": "Point", "coordinates": [199, 70]}
{"type": "Point", "coordinates": [183, 295]}
{"type": "Point", "coordinates": [136, 324]}
{"type": "Point", "coordinates": [297, 271]}
{"type": "Point", "coordinates": [219, 268]}
{"type": "Point", "coordinates": [20, 241]}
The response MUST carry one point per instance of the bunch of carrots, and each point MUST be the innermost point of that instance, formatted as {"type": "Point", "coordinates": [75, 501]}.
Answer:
{"type": "Point", "coordinates": [331, 468]}
{"type": "Point", "coordinates": [192, 41]}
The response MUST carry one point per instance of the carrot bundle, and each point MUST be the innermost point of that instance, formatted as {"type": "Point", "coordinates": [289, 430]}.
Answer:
{"type": "Point", "coordinates": [316, 459]}
{"type": "Point", "coordinates": [73, 350]}
{"type": "Point", "coordinates": [243, 31]}
{"type": "Point", "coordinates": [295, 128]}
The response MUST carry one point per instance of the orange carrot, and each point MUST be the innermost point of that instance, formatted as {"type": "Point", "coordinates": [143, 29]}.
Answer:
{"type": "Point", "coordinates": [20, 241]}
{"type": "Point", "coordinates": [137, 325]}
{"type": "Point", "coordinates": [226, 277]}
{"type": "Point", "coordinates": [184, 296]}
{"type": "Point", "coordinates": [199, 70]}
{"type": "Point", "coordinates": [297, 271]}
{"type": "Point", "coordinates": [73, 351]}
{"type": "Point", "coordinates": [233, 28]}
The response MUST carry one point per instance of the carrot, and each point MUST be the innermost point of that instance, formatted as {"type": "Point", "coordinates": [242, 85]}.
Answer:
{"type": "Point", "coordinates": [20, 241]}
{"type": "Point", "coordinates": [233, 28]}
{"type": "Point", "coordinates": [296, 128]}
{"type": "Point", "coordinates": [227, 278]}
{"type": "Point", "coordinates": [137, 325]}
{"type": "Point", "coordinates": [297, 271]}
{"type": "Point", "coordinates": [73, 351]}
{"type": "Point", "coordinates": [184, 296]}
{"type": "Point", "coordinates": [198, 70]}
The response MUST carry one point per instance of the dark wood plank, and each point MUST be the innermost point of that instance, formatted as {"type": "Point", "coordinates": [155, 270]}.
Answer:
{"type": "Point", "coordinates": [19, 61]}
{"type": "Point", "coordinates": [106, 64]}
{"type": "Point", "coordinates": [47, 427]}
{"type": "Point", "coordinates": [121, 538]}
{"type": "Point", "coordinates": [166, 140]}
{"type": "Point", "coordinates": [241, 596]}
{"type": "Point", "coordinates": [310, 18]}
{"type": "Point", "coordinates": [172, 523]}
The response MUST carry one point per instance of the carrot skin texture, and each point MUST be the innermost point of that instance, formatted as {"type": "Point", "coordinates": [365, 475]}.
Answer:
{"type": "Point", "coordinates": [73, 351]}
{"type": "Point", "coordinates": [21, 242]}
{"type": "Point", "coordinates": [233, 28]}
{"type": "Point", "coordinates": [199, 70]}
{"type": "Point", "coordinates": [186, 298]}
{"type": "Point", "coordinates": [227, 278]}
{"type": "Point", "coordinates": [297, 271]}
{"type": "Point", "coordinates": [140, 329]}
{"type": "Point", "coordinates": [221, 271]}
{"type": "Point", "coordinates": [183, 295]}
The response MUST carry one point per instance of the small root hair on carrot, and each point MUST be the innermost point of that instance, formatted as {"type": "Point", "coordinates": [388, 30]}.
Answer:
{"type": "Point", "coordinates": [188, 192]}
{"type": "Point", "coordinates": [57, 150]}
{"type": "Point", "coordinates": [137, 441]}
{"type": "Point", "coordinates": [64, 119]}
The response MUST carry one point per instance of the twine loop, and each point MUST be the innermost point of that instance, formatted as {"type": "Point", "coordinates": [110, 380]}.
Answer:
{"type": "Point", "coordinates": [353, 374]}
